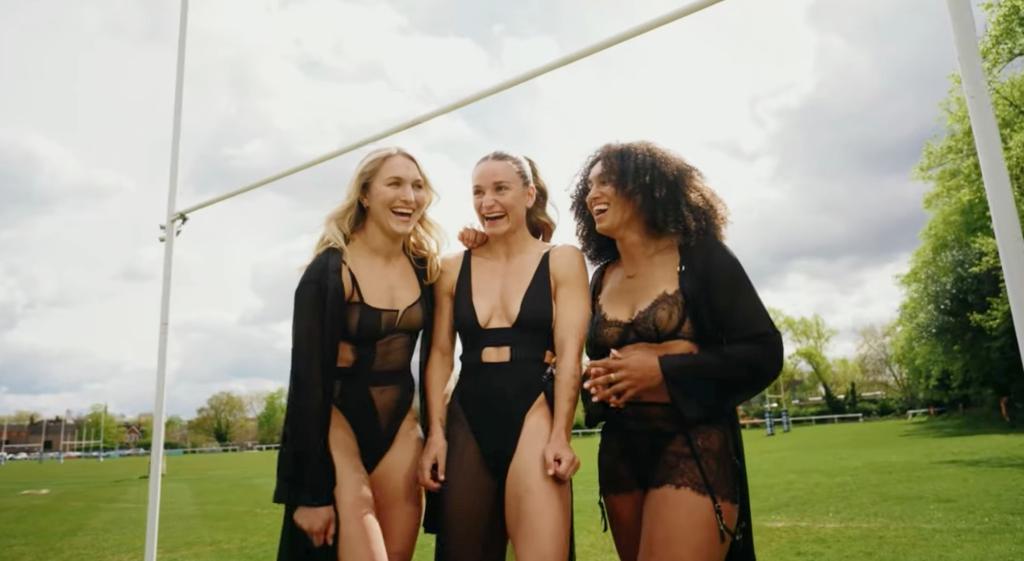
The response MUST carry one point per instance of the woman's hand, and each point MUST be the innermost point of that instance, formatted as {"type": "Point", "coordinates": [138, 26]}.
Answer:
{"type": "Point", "coordinates": [472, 238]}
{"type": "Point", "coordinates": [616, 379]}
{"type": "Point", "coordinates": [590, 375]}
{"type": "Point", "coordinates": [431, 469]}
{"type": "Point", "coordinates": [318, 522]}
{"type": "Point", "coordinates": [632, 370]}
{"type": "Point", "coordinates": [560, 460]}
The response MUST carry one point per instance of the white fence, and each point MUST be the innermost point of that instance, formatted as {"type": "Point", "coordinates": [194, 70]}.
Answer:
{"type": "Point", "coordinates": [813, 419]}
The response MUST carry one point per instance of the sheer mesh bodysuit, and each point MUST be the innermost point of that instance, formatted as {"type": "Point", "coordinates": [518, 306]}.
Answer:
{"type": "Point", "coordinates": [643, 445]}
{"type": "Point", "coordinates": [485, 416]}
{"type": "Point", "coordinates": [375, 393]}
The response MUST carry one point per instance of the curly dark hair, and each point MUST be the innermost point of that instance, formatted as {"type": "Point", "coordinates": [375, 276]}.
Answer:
{"type": "Point", "coordinates": [669, 193]}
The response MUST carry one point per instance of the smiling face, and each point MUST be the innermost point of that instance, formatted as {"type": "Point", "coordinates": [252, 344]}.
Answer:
{"type": "Point", "coordinates": [396, 197]}
{"type": "Point", "coordinates": [613, 214]}
{"type": "Point", "coordinates": [500, 198]}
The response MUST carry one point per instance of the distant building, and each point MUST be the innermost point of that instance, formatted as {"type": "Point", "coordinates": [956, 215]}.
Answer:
{"type": "Point", "coordinates": [27, 436]}
{"type": "Point", "coordinates": [132, 434]}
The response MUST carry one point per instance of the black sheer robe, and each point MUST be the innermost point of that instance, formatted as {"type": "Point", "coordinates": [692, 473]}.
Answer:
{"type": "Point", "coordinates": [305, 471]}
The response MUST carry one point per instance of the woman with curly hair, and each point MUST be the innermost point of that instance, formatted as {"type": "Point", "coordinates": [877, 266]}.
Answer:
{"type": "Point", "coordinates": [678, 339]}
{"type": "Point", "coordinates": [346, 472]}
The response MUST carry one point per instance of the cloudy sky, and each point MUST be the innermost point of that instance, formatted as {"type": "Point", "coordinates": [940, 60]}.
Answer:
{"type": "Point", "coordinates": [807, 117]}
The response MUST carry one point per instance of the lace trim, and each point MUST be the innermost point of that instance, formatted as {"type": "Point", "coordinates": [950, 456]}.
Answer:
{"type": "Point", "coordinates": [631, 461]}
{"type": "Point", "coordinates": [662, 319]}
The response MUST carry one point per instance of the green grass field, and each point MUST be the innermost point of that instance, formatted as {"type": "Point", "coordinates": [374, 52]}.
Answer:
{"type": "Point", "coordinates": [892, 490]}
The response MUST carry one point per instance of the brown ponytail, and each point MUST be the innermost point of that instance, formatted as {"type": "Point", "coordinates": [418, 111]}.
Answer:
{"type": "Point", "coordinates": [538, 221]}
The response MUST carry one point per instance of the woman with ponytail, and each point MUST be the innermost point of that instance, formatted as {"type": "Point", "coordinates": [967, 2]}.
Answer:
{"type": "Point", "coordinates": [351, 443]}
{"type": "Point", "coordinates": [499, 450]}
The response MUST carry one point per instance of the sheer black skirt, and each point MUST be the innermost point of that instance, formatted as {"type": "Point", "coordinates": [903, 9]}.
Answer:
{"type": "Point", "coordinates": [485, 420]}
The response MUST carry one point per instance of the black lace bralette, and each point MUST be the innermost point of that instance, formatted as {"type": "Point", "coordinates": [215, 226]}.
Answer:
{"type": "Point", "coordinates": [662, 320]}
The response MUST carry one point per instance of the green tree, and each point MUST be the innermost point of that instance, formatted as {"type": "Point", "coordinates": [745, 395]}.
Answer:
{"type": "Point", "coordinates": [955, 335]}
{"type": "Point", "coordinates": [793, 380]}
{"type": "Point", "coordinates": [846, 371]}
{"type": "Point", "coordinates": [175, 432]}
{"type": "Point", "coordinates": [254, 403]}
{"type": "Point", "coordinates": [270, 420]}
{"type": "Point", "coordinates": [145, 424]}
{"type": "Point", "coordinates": [878, 364]}
{"type": "Point", "coordinates": [809, 339]}
{"type": "Point", "coordinates": [100, 421]}
{"type": "Point", "coordinates": [850, 401]}
{"type": "Point", "coordinates": [221, 417]}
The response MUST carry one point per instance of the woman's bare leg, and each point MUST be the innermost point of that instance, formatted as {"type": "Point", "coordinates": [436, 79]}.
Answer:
{"type": "Point", "coordinates": [537, 507]}
{"type": "Point", "coordinates": [625, 518]}
{"type": "Point", "coordinates": [679, 524]}
{"type": "Point", "coordinates": [359, 532]}
{"type": "Point", "coordinates": [397, 494]}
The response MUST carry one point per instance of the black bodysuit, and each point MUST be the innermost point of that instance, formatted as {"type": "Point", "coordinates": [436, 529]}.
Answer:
{"type": "Point", "coordinates": [375, 393]}
{"type": "Point", "coordinates": [486, 413]}
{"type": "Point", "coordinates": [644, 445]}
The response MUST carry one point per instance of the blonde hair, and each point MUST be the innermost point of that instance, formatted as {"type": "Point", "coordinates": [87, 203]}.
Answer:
{"type": "Point", "coordinates": [538, 221]}
{"type": "Point", "coordinates": [424, 243]}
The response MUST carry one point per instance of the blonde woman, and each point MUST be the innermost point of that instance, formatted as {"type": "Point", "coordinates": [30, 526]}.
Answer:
{"type": "Point", "coordinates": [347, 466]}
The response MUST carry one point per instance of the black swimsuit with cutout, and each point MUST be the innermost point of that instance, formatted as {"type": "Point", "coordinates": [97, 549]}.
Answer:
{"type": "Point", "coordinates": [486, 414]}
{"type": "Point", "coordinates": [375, 393]}
{"type": "Point", "coordinates": [645, 445]}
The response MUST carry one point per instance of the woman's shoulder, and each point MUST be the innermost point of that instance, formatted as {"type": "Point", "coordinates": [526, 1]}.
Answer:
{"type": "Point", "coordinates": [565, 252]}
{"type": "Point", "coordinates": [450, 266]}
{"type": "Point", "coordinates": [566, 261]}
{"type": "Point", "coordinates": [452, 261]}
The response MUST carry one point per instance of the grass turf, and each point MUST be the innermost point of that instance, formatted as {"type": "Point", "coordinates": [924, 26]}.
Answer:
{"type": "Point", "coordinates": [892, 490]}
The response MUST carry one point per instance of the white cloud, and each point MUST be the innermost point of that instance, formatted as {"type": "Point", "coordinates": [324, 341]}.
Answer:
{"type": "Point", "coordinates": [748, 91]}
{"type": "Point", "coordinates": [848, 293]}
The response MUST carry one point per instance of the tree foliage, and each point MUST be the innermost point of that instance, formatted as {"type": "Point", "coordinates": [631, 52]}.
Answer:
{"type": "Point", "coordinates": [99, 421]}
{"type": "Point", "coordinates": [954, 336]}
{"type": "Point", "coordinates": [878, 364]}
{"type": "Point", "coordinates": [270, 420]}
{"type": "Point", "coordinates": [221, 417]}
{"type": "Point", "coordinates": [808, 340]}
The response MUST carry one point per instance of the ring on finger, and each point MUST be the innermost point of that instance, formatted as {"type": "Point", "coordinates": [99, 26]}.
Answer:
{"type": "Point", "coordinates": [612, 376]}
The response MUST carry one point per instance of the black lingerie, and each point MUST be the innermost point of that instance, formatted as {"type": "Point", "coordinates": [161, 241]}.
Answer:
{"type": "Point", "coordinates": [306, 475]}
{"type": "Point", "coordinates": [486, 414]}
{"type": "Point", "coordinates": [663, 319]}
{"type": "Point", "coordinates": [645, 445]}
{"type": "Point", "coordinates": [375, 393]}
